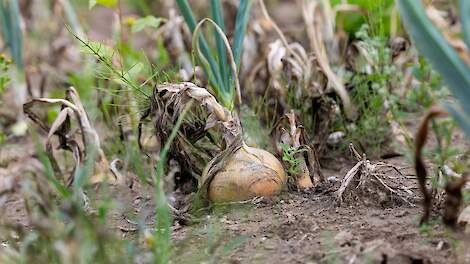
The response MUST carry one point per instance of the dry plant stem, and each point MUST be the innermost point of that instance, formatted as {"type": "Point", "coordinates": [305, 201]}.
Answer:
{"type": "Point", "coordinates": [278, 31]}
{"type": "Point", "coordinates": [291, 134]}
{"type": "Point", "coordinates": [454, 201]}
{"type": "Point", "coordinates": [420, 141]}
{"type": "Point", "coordinates": [303, 180]}
{"type": "Point", "coordinates": [71, 107]}
{"type": "Point", "coordinates": [347, 179]}
{"type": "Point", "coordinates": [179, 94]}
{"type": "Point", "coordinates": [366, 169]}
{"type": "Point", "coordinates": [309, 10]}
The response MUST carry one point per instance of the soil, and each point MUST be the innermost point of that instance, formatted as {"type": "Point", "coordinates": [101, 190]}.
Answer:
{"type": "Point", "coordinates": [294, 227]}
{"type": "Point", "coordinates": [311, 227]}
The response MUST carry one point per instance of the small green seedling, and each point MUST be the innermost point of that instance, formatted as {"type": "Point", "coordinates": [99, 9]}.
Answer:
{"type": "Point", "coordinates": [289, 154]}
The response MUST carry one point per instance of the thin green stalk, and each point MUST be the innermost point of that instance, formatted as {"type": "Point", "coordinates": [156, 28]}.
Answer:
{"type": "Point", "coordinates": [162, 245]}
{"type": "Point", "coordinates": [215, 78]}
{"type": "Point", "coordinates": [243, 14]}
{"type": "Point", "coordinates": [218, 16]}
{"type": "Point", "coordinates": [228, 102]}
{"type": "Point", "coordinates": [105, 61]}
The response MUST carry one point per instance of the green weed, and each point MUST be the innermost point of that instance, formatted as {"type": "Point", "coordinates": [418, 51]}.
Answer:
{"type": "Point", "coordinates": [4, 80]}
{"type": "Point", "coordinates": [4, 77]}
{"type": "Point", "coordinates": [289, 154]}
{"type": "Point", "coordinates": [429, 89]}
{"type": "Point", "coordinates": [376, 13]}
{"type": "Point", "coordinates": [372, 95]}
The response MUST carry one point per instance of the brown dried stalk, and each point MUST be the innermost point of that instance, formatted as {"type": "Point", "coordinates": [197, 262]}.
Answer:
{"type": "Point", "coordinates": [167, 102]}
{"type": "Point", "coordinates": [287, 131]}
{"type": "Point", "coordinates": [303, 65]}
{"type": "Point", "coordinates": [366, 172]}
{"type": "Point", "coordinates": [454, 201]}
{"type": "Point", "coordinates": [312, 15]}
{"type": "Point", "coordinates": [420, 141]}
{"type": "Point", "coordinates": [71, 108]}
{"type": "Point", "coordinates": [453, 189]}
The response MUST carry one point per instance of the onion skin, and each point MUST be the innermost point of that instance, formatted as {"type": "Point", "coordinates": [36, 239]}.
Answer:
{"type": "Point", "coordinates": [249, 172]}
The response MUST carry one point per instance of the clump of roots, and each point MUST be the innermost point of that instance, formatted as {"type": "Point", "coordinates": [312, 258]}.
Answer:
{"type": "Point", "coordinates": [374, 184]}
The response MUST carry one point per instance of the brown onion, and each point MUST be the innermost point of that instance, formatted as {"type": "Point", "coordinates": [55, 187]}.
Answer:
{"type": "Point", "coordinates": [248, 173]}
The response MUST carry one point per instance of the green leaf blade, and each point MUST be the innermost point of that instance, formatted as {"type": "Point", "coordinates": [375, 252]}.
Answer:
{"type": "Point", "coordinates": [461, 117]}
{"type": "Point", "coordinates": [218, 16]}
{"type": "Point", "coordinates": [465, 18]}
{"type": "Point", "coordinates": [243, 14]}
{"type": "Point", "coordinates": [10, 18]}
{"type": "Point", "coordinates": [107, 3]}
{"type": "Point", "coordinates": [437, 50]}
{"type": "Point", "coordinates": [214, 75]}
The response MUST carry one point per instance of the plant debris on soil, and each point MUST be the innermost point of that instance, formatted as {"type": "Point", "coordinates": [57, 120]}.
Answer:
{"type": "Point", "coordinates": [186, 131]}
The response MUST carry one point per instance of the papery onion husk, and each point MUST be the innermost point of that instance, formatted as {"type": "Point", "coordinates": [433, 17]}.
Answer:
{"type": "Point", "coordinates": [242, 174]}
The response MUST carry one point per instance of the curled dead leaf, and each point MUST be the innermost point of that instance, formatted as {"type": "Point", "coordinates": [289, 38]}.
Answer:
{"type": "Point", "coordinates": [420, 141]}
{"type": "Point", "coordinates": [72, 108]}
{"type": "Point", "coordinates": [276, 53]}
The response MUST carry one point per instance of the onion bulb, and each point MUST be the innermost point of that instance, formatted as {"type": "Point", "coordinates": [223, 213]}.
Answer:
{"type": "Point", "coordinates": [247, 173]}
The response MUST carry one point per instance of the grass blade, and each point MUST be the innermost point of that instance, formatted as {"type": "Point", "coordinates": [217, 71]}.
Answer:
{"type": "Point", "coordinates": [48, 170]}
{"type": "Point", "coordinates": [10, 19]}
{"type": "Point", "coordinates": [215, 78]}
{"type": "Point", "coordinates": [437, 50]}
{"type": "Point", "coordinates": [162, 245]}
{"type": "Point", "coordinates": [218, 16]}
{"type": "Point", "coordinates": [465, 18]}
{"type": "Point", "coordinates": [241, 22]}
